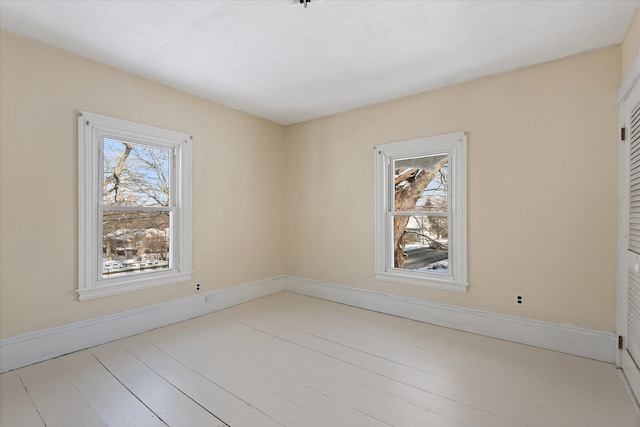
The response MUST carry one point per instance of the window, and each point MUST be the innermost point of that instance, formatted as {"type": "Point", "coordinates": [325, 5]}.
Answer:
{"type": "Point", "coordinates": [421, 212]}
{"type": "Point", "coordinates": [134, 206]}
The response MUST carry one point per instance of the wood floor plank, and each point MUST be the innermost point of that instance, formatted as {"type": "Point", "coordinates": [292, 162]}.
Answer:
{"type": "Point", "coordinates": [108, 397]}
{"type": "Point", "coordinates": [16, 406]}
{"type": "Point", "coordinates": [387, 365]}
{"type": "Point", "coordinates": [215, 399]}
{"type": "Point", "coordinates": [301, 365]}
{"type": "Point", "coordinates": [554, 397]}
{"type": "Point", "coordinates": [377, 373]}
{"type": "Point", "coordinates": [291, 360]}
{"type": "Point", "coordinates": [336, 400]}
{"type": "Point", "coordinates": [554, 381]}
{"type": "Point", "coordinates": [497, 371]}
{"type": "Point", "coordinates": [228, 376]}
{"type": "Point", "coordinates": [273, 393]}
{"type": "Point", "coordinates": [57, 399]}
{"type": "Point", "coordinates": [183, 346]}
{"type": "Point", "coordinates": [171, 405]}
{"type": "Point", "coordinates": [446, 407]}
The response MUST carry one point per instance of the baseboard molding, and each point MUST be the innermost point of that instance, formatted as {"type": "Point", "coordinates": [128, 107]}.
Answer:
{"type": "Point", "coordinates": [563, 338]}
{"type": "Point", "coordinates": [35, 347]}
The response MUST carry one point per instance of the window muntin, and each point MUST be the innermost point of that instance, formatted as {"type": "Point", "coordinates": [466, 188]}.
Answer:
{"type": "Point", "coordinates": [134, 206]}
{"type": "Point", "coordinates": [420, 218]}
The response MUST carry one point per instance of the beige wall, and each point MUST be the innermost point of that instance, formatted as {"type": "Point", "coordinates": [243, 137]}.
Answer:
{"type": "Point", "coordinates": [631, 45]}
{"type": "Point", "coordinates": [299, 200]}
{"type": "Point", "coordinates": [238, 181]}
{"type": "Point", "coordinates": [542, 189]}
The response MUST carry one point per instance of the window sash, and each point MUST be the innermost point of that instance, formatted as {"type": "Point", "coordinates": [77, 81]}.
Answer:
{"type": "Point", "coordinates": [391, 173]}
{"type": "Point", "coordinates": [174, 249]}
{"type": "Point", "coordinates": [173, 159]}
{"type": "Point", "coordinates": [391, 250]}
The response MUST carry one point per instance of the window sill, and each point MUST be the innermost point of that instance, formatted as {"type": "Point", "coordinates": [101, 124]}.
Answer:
{"type": "Point", "coordinates": [132, 285]}
{"type": "Point", "coordinates": [421, 280]}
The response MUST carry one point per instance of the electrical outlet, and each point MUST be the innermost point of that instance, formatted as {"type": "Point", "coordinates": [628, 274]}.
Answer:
{"type": "Point", "coordinates": [519, 299]}
{"type": "Point", "coordinates": [197, 287]}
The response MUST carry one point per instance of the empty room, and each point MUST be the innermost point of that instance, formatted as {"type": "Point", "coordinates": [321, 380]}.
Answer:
{"type": "Point", "coordinates": [320, 213]}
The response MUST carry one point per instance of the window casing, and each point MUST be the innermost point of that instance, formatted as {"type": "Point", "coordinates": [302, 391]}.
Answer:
{"type": "Point", "coordinates": [134, 206]}
{"type": "Point", "coordinates": [420, 216]}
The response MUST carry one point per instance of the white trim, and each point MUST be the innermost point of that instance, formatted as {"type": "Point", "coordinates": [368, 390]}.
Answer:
{"type": "Point", "coordinates": [92, 128]}
{"type": "Point", "coordinates": [627, 94]}
{"type": "Point", "coordinates": [563, 338]}
{"type": "Point", "coordinates": [621, 265]}
{"type": "Point", "coordinates": [623, 221]}
{"type": "Point", "coordinates": [627, 384]}
{"type": "Point", "coordinates": [454, 145]}
{"type": "Point", "coordinates": [431, 282]}
{"type": "Point", "coordinates": [135, 284]}
{"type": "Point", "coordinates": [629, 80]}
{"type": "Point", "coordinates": [35, 347]}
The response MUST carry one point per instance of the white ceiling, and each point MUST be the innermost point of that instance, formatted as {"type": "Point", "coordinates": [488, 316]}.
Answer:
{"type": "Point", "coordinates": [277, 60]}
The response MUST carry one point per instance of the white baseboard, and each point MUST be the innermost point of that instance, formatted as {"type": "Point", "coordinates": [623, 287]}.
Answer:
{"type": "Point", "coordinates": [563, 338]}
{"type": "Point", "coordinates": [35, 347]}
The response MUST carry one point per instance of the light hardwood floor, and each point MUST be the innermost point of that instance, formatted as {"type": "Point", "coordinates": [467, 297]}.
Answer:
{"type": "Point", "coordinates": [292, 360]}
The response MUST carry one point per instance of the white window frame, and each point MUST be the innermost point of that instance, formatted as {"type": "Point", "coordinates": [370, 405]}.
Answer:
{"type": "Point", "coordinates": [454, 145]}
{"type": "Point", "coordinates": [92, 129]}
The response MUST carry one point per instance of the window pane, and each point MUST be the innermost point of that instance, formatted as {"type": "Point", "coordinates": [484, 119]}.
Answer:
{"type": "Point", "coordinates": [134, 174]}
{"type": "Point", "coordinates": [421, 243]}
{"type": "Point", "coordinates": [421, 184]}
{"type": "Point", "coordinates": [134, 242]}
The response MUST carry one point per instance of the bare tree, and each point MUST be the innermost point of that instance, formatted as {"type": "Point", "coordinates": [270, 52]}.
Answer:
{"type": "Point", "coordinates": [135, 175]}
{"type": "Point", "coordinates": [112, 175]}
{"type": "Point", "coordinates": [149, 178]}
